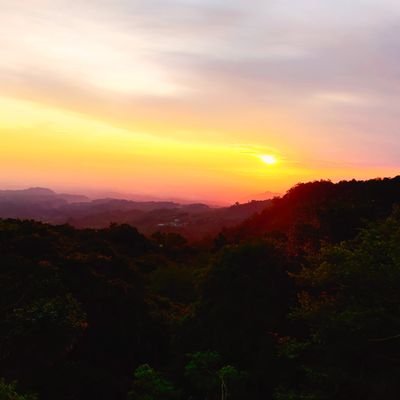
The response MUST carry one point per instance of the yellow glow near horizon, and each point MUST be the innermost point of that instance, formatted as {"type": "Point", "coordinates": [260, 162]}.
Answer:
{"type": "Point", "coordinates": [268, 159]}
{"type": "Point", "coordinates": [44, 145]}
{"type": "Point", "coordinates": [49, 146]}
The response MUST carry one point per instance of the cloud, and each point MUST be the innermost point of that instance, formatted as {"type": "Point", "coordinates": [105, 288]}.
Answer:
{"type": "Point", "coordinates": [201, 65]}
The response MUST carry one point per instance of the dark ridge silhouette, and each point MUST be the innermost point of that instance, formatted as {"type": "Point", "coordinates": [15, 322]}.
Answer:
{"type": "Point", "coordinates": [324, 211]}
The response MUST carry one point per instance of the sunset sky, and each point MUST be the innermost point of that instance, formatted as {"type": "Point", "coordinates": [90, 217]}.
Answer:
{"type": "Point", "coordinates": [185, 98]}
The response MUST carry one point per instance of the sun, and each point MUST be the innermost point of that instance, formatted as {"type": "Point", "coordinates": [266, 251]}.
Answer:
{"type": "Point", "coordinates": [268, 159]}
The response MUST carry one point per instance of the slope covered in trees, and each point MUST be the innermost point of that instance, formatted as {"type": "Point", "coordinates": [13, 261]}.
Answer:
{"type": "Point", "coordinates": [299, 302]}
{"type": "Point", "coordinates": [316, 212]}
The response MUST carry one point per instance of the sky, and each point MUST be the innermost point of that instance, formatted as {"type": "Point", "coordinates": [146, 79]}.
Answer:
{"type": "Point", "coordinates": [185, 98]}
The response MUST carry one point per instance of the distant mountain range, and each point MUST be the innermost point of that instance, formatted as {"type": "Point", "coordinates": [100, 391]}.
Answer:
{"type": "Point", "coordinates": [191, 220]}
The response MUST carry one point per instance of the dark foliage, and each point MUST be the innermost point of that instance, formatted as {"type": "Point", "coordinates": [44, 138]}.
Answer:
{"type": "Point", "coordinates": [299, 302]}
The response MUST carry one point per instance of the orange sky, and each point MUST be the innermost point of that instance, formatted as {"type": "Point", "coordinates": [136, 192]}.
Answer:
{"type": "Point", "coordinates": [181, 101]}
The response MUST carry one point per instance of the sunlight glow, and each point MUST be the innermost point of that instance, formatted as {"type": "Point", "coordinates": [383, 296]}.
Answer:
{"type": "Point", "coordinates": [268, 159]}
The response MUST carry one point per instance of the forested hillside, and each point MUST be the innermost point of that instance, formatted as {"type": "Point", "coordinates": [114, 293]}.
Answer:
{"type": "Point", "coordinates": [299, 302]}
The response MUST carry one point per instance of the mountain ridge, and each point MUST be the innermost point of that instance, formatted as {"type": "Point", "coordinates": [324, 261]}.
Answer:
{"type": "Point", "coordinates": [193, 220]}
